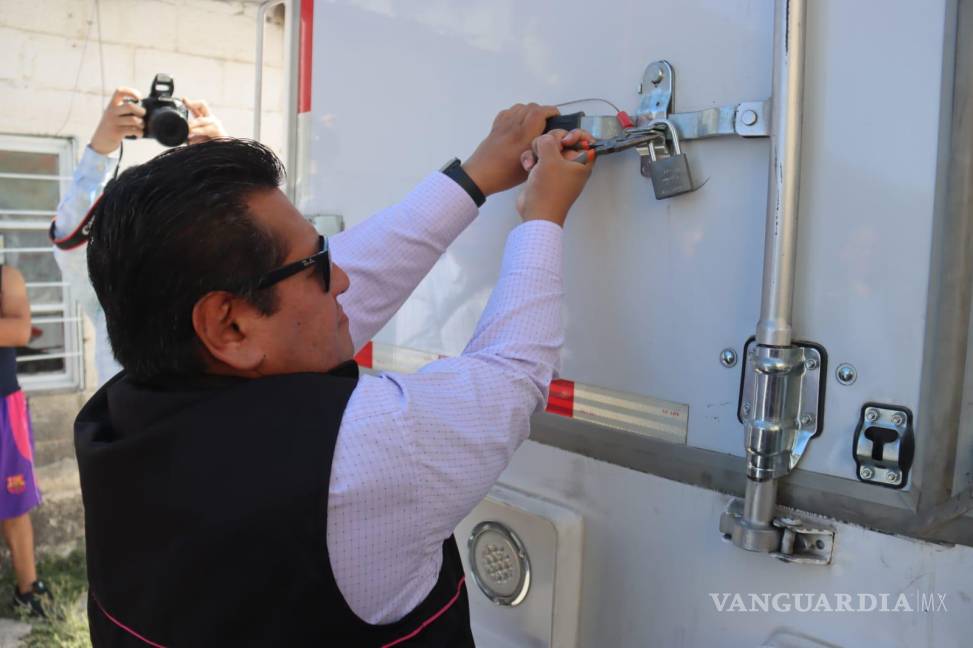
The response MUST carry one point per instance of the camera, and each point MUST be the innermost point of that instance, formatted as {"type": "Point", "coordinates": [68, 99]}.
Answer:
{"type": "Point", "coordinates": [166, 118]}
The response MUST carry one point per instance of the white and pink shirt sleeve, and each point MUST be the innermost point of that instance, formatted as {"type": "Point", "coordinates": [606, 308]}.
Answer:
{"type": "Point", "coordinates": [416, 452]}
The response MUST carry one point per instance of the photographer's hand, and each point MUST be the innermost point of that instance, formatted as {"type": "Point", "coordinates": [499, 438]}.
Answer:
{"type": "Point", "coordinates": [122, 117]}
{"type": "Point", "coordinates": [203, 125]}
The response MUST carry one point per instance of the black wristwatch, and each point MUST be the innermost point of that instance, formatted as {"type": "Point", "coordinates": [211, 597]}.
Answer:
{"type": "Point", "coordinates": [454, 169]}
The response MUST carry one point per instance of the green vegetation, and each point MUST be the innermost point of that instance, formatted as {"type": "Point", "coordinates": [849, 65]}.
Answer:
{"type": "Point", "coordinates": [67, 622]}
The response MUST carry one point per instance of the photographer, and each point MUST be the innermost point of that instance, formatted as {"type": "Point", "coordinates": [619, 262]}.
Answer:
{"type": "Point", "coordinates": [243, 485]}
{"type": "Point", "coordinates": [123, 117]}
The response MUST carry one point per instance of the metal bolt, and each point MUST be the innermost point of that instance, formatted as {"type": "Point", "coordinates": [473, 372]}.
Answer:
{"type": "Point", "coordinates": [807, 420]}
{"type": "Point", "coordinates": [811, 364]}
{"type": "Point", "coordinates": [898, 419]}
{"type": "Point", "coordinates": [871, 415]}
{"type": "Point", "coordinates": [749, 117]}
{"type": "Point", "coordinates": [657, 76]}
{"type": "Point", "coordinates": [846, 374]}
{"type": "Point", "coordinates": [892, 476]}
{"type": "Point", "coordinates": [728, 358]}
{"type": "Point", "coordinates": [866, 472]}
{"type": "Point", "coordinates": [747, 407]}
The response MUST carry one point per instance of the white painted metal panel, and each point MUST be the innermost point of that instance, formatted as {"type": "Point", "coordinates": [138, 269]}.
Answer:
{"type": "Point", "coordinates": [652, 557]}
{"type": "Point", "coordinates": [655, 289]}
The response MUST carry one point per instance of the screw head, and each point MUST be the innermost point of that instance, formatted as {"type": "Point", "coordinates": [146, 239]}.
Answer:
{"type": "Point", "coordinates": [846, 374]}
{"type": "Point", "coordinates": [892, 476]}
{"type": "Point", "coordinates": [749, 117]}
{"type": "Point", "coordinates": [747, 407]}
{"type": "Point", "coordinates": [866, 472]}
{"type": "Point", "coordinates": [728, 358]}
{"type": "Point", "coordinates": [898, 419]}
{"type": "Point", "coordinates": [807, 420]}
{"type": "Point", "coordinates": [811, 364]}
{"type": "Point", "coordinates": [871, 415]}
{"type": "Point", "coordinates": [657, 76]}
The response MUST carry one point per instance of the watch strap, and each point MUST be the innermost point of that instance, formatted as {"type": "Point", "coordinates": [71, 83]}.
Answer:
{"type": "Point", "coordinates": [454, 170]}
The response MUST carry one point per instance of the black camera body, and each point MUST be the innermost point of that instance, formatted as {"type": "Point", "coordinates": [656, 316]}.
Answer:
{"type": "Point", "coordinates": [166, 118]}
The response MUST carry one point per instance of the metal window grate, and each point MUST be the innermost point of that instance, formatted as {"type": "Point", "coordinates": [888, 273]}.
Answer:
{"type": "Point", "coordinates": [34, 172]}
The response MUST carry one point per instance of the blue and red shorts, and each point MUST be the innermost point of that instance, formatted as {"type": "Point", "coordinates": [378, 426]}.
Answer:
{"type": "Point", "coordinates": [18, 488]}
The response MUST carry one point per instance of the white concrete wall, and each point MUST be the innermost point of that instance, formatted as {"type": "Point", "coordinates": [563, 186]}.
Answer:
{"type": "Point", "coordinates": [52, 53]}
{"type": "Point", "coordinates": [51, 63]}
{"type": "Point", "coordinates": [51, 84]}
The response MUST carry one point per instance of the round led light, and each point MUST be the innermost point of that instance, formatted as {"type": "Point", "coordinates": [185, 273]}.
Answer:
{"type": "Point", "coordinates": [499, 563]}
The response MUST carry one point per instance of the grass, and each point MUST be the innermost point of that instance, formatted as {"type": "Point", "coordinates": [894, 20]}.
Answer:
{"type": "Point", "coordinates": [67, 622]}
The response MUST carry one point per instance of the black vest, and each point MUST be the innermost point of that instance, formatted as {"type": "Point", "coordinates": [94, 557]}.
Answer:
{"type": "Point", "coordinates": [206, 517]}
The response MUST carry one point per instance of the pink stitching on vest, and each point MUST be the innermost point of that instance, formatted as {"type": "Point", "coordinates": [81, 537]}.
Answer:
{"type": "Point", "coordinates": [123, 626]}
{"type": "Point", "coordinates": [459, 589]}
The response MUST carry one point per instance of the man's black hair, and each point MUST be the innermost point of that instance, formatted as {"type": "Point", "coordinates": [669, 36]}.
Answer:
{"type": "Point", "coordinates": [169, 231]}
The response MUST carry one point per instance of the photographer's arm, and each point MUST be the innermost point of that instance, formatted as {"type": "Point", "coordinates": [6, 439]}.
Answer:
{"type": "Point", "coordinates": [120, 118]}
{"type": "Point", "coordinates": [87, 184]}
{"type": "Point", "coordinates": [388, 255]}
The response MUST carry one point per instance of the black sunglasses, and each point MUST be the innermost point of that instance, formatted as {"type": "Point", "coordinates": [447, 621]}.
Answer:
{"type": "Point", "coordinates": [321, 259]}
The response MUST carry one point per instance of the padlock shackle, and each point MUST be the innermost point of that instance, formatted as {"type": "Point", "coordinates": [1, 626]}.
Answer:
{"type": "Point", "coordinates": [676, 148]}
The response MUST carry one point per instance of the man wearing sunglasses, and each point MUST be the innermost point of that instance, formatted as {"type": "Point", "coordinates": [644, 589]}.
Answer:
{"type": "Point", "coordinates": [243, 484]}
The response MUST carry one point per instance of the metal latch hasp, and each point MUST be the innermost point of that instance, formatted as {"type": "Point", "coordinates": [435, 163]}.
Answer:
{"type": "Point", "coordinates": [800, 541]}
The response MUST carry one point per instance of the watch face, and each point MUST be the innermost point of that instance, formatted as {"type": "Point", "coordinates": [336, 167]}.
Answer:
{"type": "Point", "coordinates": [453, 162]}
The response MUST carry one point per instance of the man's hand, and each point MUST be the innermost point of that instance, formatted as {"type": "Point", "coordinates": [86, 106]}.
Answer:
{"type": "Point", "coordinates": [120, 119]}
{"type": "Point", "coordinates": [203, 125]}
{"type": "Point", "coordinates": [556, 178]}
{"type": "Point", "coordinates": [495, 164]}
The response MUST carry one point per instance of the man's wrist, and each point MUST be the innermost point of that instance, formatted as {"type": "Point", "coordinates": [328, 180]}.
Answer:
{"type": "Point", "coordinates": [100, 150]}
{"type": "Point", "coordinates": [102, 147]}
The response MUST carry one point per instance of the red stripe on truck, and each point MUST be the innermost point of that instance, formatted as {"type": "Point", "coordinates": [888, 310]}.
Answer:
{"type": "Point", "coordinates": [304, 59]}
{"type": "Point", "coordinates": [561, 399]}
{"type": "Point", "coordinates": [364, 357]}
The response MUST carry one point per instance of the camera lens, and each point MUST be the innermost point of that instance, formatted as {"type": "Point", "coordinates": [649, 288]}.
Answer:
{"type": "Point", "coordinates": [168, 126]}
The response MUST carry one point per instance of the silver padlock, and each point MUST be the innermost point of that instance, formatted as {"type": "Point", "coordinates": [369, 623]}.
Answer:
{"type": "Point", "coordinates": [670, 175]}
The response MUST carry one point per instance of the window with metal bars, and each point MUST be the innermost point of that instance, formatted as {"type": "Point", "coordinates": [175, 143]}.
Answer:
{"type": "Point", "coordinates": [34, 171]}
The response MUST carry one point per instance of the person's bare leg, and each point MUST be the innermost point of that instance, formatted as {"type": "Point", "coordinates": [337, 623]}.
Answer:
{"type": "Point", "coordinates": [19, 535]}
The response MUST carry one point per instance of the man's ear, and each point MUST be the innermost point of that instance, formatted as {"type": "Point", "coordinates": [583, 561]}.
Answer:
{"type": "Point", "coordinates": [222, 322]}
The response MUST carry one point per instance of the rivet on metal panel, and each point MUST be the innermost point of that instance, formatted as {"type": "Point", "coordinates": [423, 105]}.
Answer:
{"type": "Point", "coordinates": [811, 364]}
{"type": "Point", "coordinates": [846, 374]}
{"type": "Point", "coordinates": [871, 415]}
{"type": "Point", "coordinates": [898, 419]}
{"type": "Point", "coordinates": [728, 358]}
{"type": "Point", "coordinates": [866, 472]}
{"type": "Point", "coordinates": [749, 117]}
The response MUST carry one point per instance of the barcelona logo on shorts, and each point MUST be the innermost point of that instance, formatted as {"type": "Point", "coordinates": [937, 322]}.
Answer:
{"type": "Point", "coordinates": [16, 484]}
